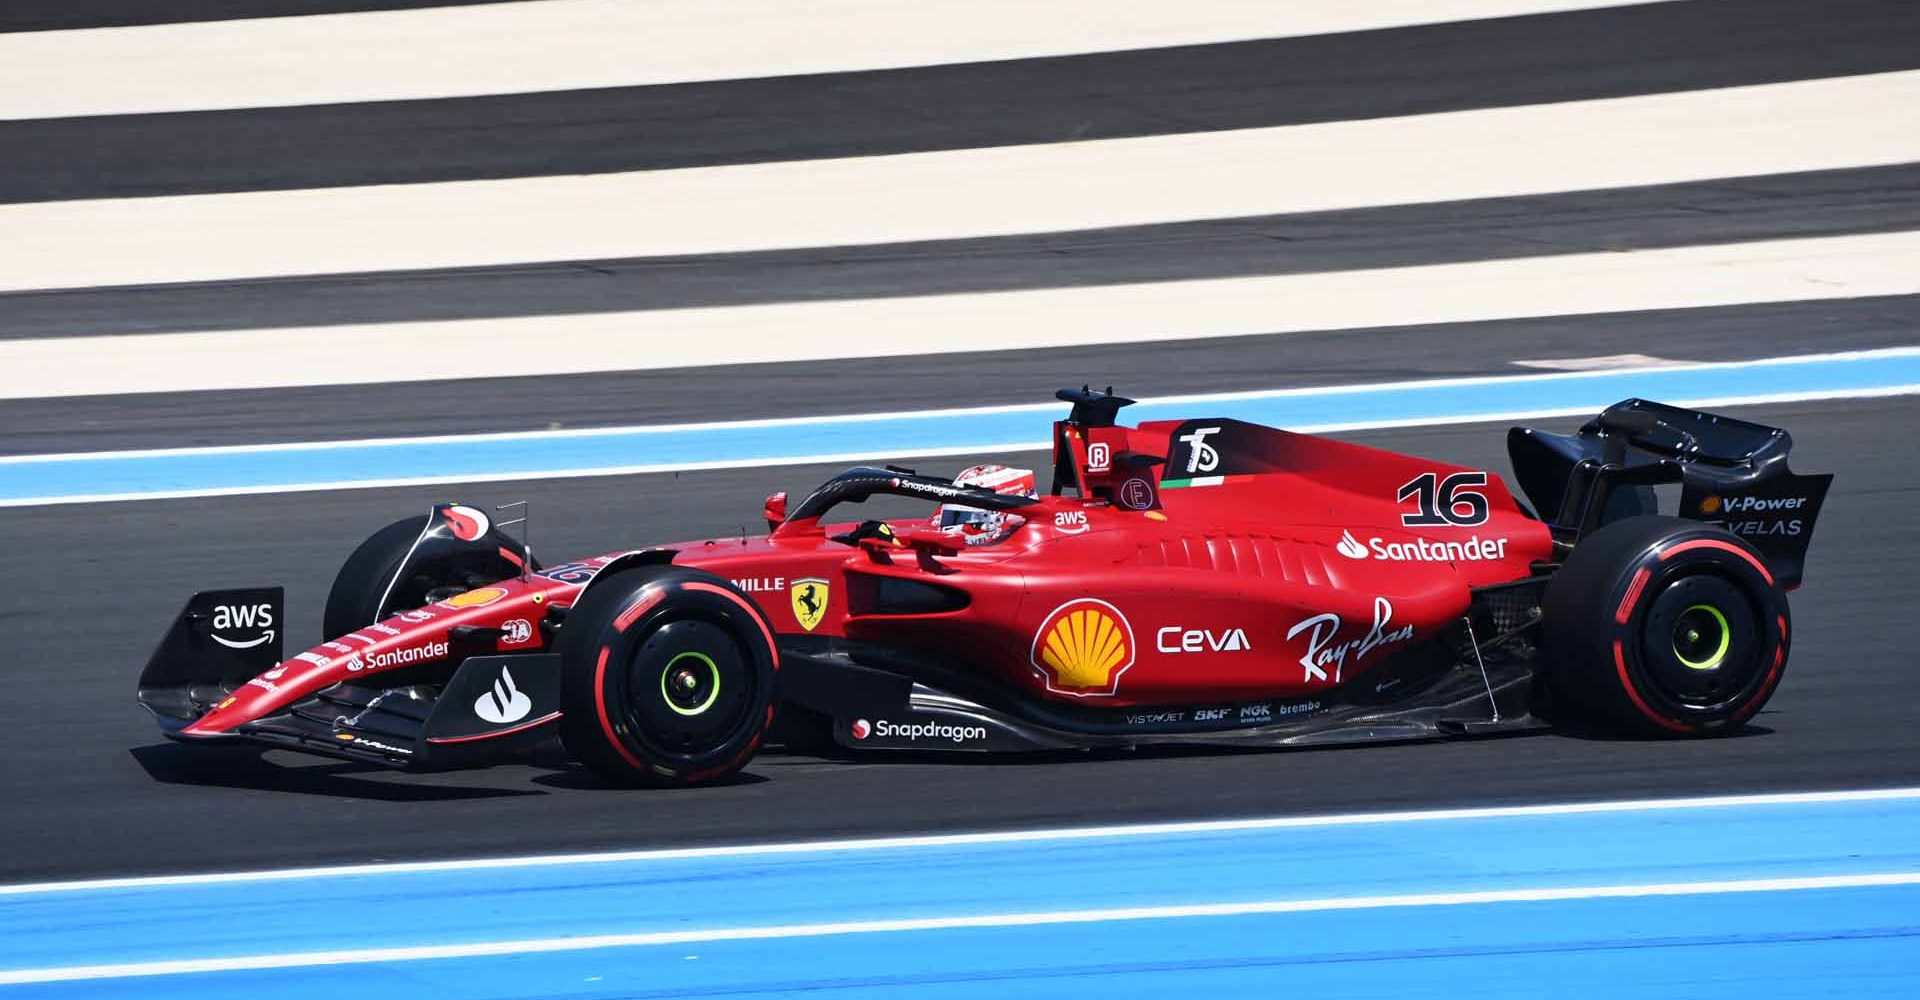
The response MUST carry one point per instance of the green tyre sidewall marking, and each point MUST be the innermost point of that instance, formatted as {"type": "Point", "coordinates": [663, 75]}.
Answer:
{"type": "Point", "coordinates": [713, 672]}
{"type": "Point", "coordinates": [1719, 654]}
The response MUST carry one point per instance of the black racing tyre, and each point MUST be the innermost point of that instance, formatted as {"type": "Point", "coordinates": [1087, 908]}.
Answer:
{"type": "Point", "coordinates": [361, 585]}
{"type": "Point", "coordinates": [668, 677]}
{"type": "Point", "coordinates": [1658, 626]}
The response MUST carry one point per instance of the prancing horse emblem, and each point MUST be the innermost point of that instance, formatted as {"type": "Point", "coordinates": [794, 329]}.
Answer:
{"type": "Point", "coordinates": [809, 601]}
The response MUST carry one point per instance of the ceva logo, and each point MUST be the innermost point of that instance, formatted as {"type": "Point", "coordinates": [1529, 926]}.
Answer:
{"type": "Point", "coordinates": [1083, 647]}
{"type": "Point", "coordinates": [1350, 546]}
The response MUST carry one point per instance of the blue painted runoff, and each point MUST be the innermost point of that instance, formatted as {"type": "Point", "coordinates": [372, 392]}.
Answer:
{"type": "Point", "coordinates": [531, 455]}
{"type": "Point", "coordinates": [1862, 941]}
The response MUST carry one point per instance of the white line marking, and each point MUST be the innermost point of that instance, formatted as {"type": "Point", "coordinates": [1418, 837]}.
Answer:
{"type": "Point", "coordinates": [361, 956]}
{"type": "Point", "coordinates": [567, 44]}
{"type": "Point", "coordinates": [507, 475]}
{"type": "Point", "coordinates": [393, 353]}
{"type": "Point", "coordinates": [1135, 831]}
{"type": "Point", "coordinates": [1603, 362]}
{"type": "Point", "coordinates": [1843, 122]}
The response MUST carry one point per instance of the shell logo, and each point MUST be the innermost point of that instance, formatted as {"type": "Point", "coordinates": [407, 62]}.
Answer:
{"type": "Point", "coordinates": [1083, 647]}
{"type": "Point", "coordinates": [475, 598]}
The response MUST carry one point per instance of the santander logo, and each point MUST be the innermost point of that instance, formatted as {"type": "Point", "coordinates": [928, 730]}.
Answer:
{"type": "Point", "coordinates": [504, 703]}
{"type": "Point", "coordinates": [1350, 546]}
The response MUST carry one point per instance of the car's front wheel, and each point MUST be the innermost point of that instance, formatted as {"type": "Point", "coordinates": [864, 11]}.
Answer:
{"type": "Point", "coordinates": [669, 677]}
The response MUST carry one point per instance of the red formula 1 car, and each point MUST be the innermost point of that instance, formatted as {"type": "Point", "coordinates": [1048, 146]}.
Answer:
{"type": "Point", "coordinates": [1194, 581]}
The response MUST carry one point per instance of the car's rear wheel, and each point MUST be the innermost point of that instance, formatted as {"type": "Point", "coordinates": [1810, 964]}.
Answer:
{"type": "Point", "coordinates": [1663, 627]}
{"type": "Point", "coordinates": [669, 677]}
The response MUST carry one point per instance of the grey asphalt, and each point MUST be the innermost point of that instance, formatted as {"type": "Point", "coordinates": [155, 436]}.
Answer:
{"type": "Point", "coordinates": [90, 789]}
{"type": "Point", "coordinates": [1618, 220]}
{"type": "Point", "coordinates": [1534, 59]}
{"type": "Point", "coordinates": [866, 385]}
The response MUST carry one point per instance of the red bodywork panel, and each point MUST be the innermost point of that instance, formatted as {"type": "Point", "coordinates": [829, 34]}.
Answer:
{"type": "Point", "coordinates": [1231, 562]}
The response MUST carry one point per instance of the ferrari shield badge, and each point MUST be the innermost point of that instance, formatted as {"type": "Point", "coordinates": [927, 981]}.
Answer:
{"type": "Point", "coordinates": [809, 601]}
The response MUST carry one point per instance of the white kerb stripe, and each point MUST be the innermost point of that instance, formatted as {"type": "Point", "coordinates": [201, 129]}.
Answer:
{"type": "Point", "coordinates": [1057, 834]}
{"type": "Point", "coordinates": [1846, 122]}
{"type": "Point", "coordinates": [1573, 284]}
{"type": "Point", "coordinates": [531, 946]}
{"type": "Point", "coordinates": [566, 44]}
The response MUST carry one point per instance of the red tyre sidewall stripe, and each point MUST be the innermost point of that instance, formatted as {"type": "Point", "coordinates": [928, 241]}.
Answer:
{"type": "Point", "coordinates": [648, 598]}
{"type": "Point", "coordinates": [1633, 693]}
{"type": "Point", "coordinates": [1715, 543]}
{"type": "Point", "coordinates": [1640, 578]}
{"type": "Point", "coordinates": [752, 613]}
{"type": "Point", "coordinates": [1773, 675]}
{"type": "Point", "coordinates": [600, 709]}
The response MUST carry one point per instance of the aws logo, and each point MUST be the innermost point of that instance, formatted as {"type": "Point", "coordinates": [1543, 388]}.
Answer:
{"type": "Point", "coordinates": [230, 617]}
{"type": "Point", "coordinates": [1083, 647]}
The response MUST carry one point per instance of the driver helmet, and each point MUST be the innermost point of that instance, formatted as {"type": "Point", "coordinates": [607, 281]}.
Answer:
{"type": "Point", "coordinates": [998, 478]}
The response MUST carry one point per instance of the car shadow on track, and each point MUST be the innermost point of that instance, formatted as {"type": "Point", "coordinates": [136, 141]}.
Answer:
{"type": "Point", "coordinates": [246, 767]}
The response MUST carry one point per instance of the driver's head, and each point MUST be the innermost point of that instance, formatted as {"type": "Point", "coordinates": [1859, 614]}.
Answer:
{"type": "Point", "coordinates": [998, 478]}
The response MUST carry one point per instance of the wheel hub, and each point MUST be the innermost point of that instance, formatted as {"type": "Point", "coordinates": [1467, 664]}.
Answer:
{"type": "Point", "coordinates": [690, 683]}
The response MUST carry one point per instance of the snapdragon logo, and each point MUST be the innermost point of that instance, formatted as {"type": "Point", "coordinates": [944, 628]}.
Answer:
{"type": "Point", "coordinates": [913, 732]}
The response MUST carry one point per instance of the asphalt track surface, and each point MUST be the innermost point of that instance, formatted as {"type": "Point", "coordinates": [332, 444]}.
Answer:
{"type": "Point", "coordinates": [1422, 69]}
{"type": "Point", "coordinates": [91, 789]}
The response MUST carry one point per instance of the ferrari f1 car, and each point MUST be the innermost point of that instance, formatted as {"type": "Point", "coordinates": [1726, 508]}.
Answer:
{"type": "Point", "coordinates": [1183, 581]}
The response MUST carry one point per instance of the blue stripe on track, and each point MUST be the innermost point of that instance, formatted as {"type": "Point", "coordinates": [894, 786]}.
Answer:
{"type": "Point", "coordinates": [1852, 941]}
{"type": "Point", "coordinates": [43, 479]}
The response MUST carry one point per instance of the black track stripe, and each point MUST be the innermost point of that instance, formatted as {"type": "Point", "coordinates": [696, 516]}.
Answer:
{"type": "Point", "coordinates": [1824, 203]}
{"type": "Point", "coordinates": [1614, 52]}
{"type": "Point", "coordinates": [63, 15]}
{"type": "Point", "coordinates": [794, 389]}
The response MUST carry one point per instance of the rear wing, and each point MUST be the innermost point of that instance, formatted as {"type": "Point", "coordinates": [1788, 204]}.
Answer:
{"type": "Point", "coordinates": [1732, 473]}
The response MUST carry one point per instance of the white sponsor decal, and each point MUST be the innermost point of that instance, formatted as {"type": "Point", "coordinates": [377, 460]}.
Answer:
{"type": "Point", "coordinates": [1202, 457]}
{"type": "Point", "coordinates": [1174, 639]}
{"type": "Point", "coordinates": [1099, 457]}
{"type": "Point", "coordinates": [398, 657]}
{"type": "Point", "coordinates": [261, 682]}
{"type": "Point", "coordinates": [314, 658]}
{"type": "Point", "coordinates": [235, 616]}
{"type": "Point", "coordinates": [384, 629]}
{"type": "Point", "coordinates": [1210, 714]}
{"type": "Point", "coordinates": [914, 731]}
{"type": "Point", "coordinates": [762, 584]}
{"type": "Point", "coordinates": [1741, 505]}
{"type": "Point", "coordinates": [505, 703]}
{"type": "Point", "coordinates": [417, 615]}
{"type": "Point", "coordinates": [1070, 522]}
{"type": "Point", "coordinates": [928, 489]}
{"type": "Point", "coordinates": [1321, 650]}
{"type": "Point", "coordinates": [1792, 527]}
{"type": "Point", "coordinates": [516, 631]}
{"type": "Point", "coordinates": [375, 744]}
{"type": "Point", "coordinates": [1472, 549]}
